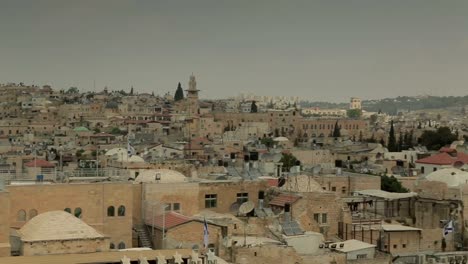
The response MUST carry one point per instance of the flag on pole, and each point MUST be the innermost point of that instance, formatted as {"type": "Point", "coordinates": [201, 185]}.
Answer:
{"type": "Point", "coordinates": [206, 234]}
{"type": "Point", "coordinates": [448, 228]}
{"type": "Point", "coordinates": [130, 150]}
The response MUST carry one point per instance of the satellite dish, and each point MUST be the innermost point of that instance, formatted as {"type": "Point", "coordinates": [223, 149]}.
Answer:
{"type": "Point", "coordinates": [246, 208]}
{"type": "Point", "coordinates": [51, 155]}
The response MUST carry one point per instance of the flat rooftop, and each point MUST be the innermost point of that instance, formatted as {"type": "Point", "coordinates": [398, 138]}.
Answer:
{"type": "Point", "coordinates": [99, 257]}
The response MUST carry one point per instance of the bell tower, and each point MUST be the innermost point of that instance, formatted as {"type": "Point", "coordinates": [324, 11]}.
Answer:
{"type": "Point", "coordinates": [192, 96]}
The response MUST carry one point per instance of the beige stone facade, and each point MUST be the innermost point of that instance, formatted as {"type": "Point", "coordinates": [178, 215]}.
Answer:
{"type": "Point", "coordinates": [92, 200]}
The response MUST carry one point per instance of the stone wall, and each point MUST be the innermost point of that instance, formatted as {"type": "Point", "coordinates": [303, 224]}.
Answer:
{"type": "Point", "coordinates": [65, 247]}
{"type": "Point", "coordinates": [4, 224]}
{"type": "Point", "coordinates": [319, 203]}
{"type": "Point", "coordinates": [267, 254]}
{"type": "Point", "coordinates": [227, 193]}
{"type": "Point", "coordinates": [93, 199]}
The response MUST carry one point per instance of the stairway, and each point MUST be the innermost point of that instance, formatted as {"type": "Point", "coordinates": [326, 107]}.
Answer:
{"type": "Point", "coordinates": [144, 237]}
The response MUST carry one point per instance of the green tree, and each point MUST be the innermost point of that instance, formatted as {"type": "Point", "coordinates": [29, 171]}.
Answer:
{"type": "Point", "coordinates": [115, 131]}
{"type": "Point", "coordinates": [400, 142]}
{"type": "Point", "coordinates": [391, 184]}
{"type": "Point", "coordinates": [267, 141]}
{"type": "Point", "coordinates": [354, 113]}
{"type": "Point", "coordinates": [72, 90]}
{"type": "Point", "coordinates": [289, 161]}
{"type": "Point", "coordinates": [253, 107]}
{"type": "Point", "coordinates": [336, 131]}
{"type": "Point", "coordinates": [434, 140]}
{"type": "Point", "coordinates": [392, 145]}
{"type": "Point", "coordinates": [131, 91]}
{"type": "Point", "coordinates": [179, 94]}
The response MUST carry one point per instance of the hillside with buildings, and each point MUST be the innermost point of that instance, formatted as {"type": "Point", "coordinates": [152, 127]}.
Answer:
{"type": "Point", "coordinates": [119, 177]}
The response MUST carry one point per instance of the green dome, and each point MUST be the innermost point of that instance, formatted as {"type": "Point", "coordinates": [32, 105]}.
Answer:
{"type": "Point", "coordinates": [80, 129]}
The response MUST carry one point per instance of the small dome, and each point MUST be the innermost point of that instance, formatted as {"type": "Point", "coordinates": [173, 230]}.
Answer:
{"type": "Point", "coordinates": [281, 139]}
{"type": "Point", "coordinates": [164, 176]}
{"type": "Point", "coordinates": [116, 151]}
{"type": "Point", "coordinates": [135, 158]}
{"type": "Point", "coordinates": [57, 225]}
{"type": "Point", "coordinates": [451, 176]}
{"type": "Point", "coordinates": [81, 129]}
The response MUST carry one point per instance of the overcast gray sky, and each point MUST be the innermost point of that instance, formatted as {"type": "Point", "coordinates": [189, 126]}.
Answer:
{"type": "Point", "coordinates": [319, 50]}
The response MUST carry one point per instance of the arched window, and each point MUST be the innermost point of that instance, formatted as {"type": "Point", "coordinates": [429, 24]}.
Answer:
{"type": "Point", "coordinates": [21, 215]}
{"type": "Point", "coordinates": [110, 211]}
{"type": "Point", "coordinates": [78, 212]}
{"type": "Point", "coordinates": [121, 211]}
{"type": "Point", "coordinates": [68, 210]}
{"type": "Point", "coordinates": [112, 246]}
{"type": "Point", "coordinates": [32, 213]}
{"type": "Point", "coordinates": [121, 245]}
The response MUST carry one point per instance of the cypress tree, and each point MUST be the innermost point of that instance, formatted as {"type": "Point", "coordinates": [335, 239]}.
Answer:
{"type": "Point", "coordinates": [179, 94]}
{"type": "Point", "coordinates": [400, 142]}
{"type": "Point", "coordinates": [253, 107]}
{"type": "Point", "coordinates": [392, 145]}
{"type": "Point", "coordinates": [336, 131]}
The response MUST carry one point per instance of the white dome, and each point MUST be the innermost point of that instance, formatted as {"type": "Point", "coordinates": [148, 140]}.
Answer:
{"type": "Point", "coordinates": [136, 158]}
{"type": "Point", "coordinates": [281, 139]}
{"type": "Point", "coordinates": [116, 151]}
{"type": "Point", "coordinates": [451, 176]}
{"type": "Point", "coordinates": [164, 176]}
{"type": "Point", "coordinates": [121, 155]}
{"type": "Point", "coordinates": [57, 225]}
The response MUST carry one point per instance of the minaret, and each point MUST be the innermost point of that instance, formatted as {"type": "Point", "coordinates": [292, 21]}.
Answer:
{"type": "Point", "coordinates": [192, 96]}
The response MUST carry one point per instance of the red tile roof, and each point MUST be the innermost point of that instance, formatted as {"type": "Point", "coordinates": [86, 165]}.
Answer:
{"type": "Point", "coordinates": [172, 219]}
{"type": "Point", "coordinates": [272, 182]}
{"type": "Point", "coordinates": [283, 199]}
{"type": "Point", "coordinates": [447, 149]}
{"type": "Point", "coordinates": [444, 159]}
{"type": "Point", "coordinates": [39, 163]}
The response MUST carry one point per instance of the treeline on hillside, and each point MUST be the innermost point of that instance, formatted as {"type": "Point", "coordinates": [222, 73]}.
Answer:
{"type": "Point", "coordinates": [393, 105]}
{"type": "Point", "coordinates": [401, 103]}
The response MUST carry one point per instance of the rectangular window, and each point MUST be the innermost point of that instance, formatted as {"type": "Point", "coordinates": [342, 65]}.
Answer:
{"type": "Point", "coordinates": [333, 189]}
{"type": "Point", "coordinates": [404, 245]}
{"type": "Point", "coordinates": [317, 218]}
{"type": "Point", "coordinates": [242, 198]}
{"type": "Point", "coordinates": [176, 207]}
{"type": "Point", "coordinates": [324, 218]}
{"type": "Point", "coordinates": [211, 200]}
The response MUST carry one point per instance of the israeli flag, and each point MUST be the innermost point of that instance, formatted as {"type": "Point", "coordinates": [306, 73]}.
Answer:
{"type": "Point", "coordinates": [130, 150]}
{"type": "Point", "coordinates": [206, 234]}
{"type": "Point", "coordinates": [448, 228]}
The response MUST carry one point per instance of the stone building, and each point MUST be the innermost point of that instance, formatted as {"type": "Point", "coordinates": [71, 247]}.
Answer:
{"type": "Point", "coordinates": [90, 202]}
{"type": "Point", "coordinates": [60, 232]}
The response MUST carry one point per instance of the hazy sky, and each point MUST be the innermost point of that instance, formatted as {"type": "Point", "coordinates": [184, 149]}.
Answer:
{"type": "Point", "coordinates": [319, 50]}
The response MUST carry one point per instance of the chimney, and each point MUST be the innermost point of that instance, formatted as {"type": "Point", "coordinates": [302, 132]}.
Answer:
{"type": "Point", "coordinates": [287, 212]}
